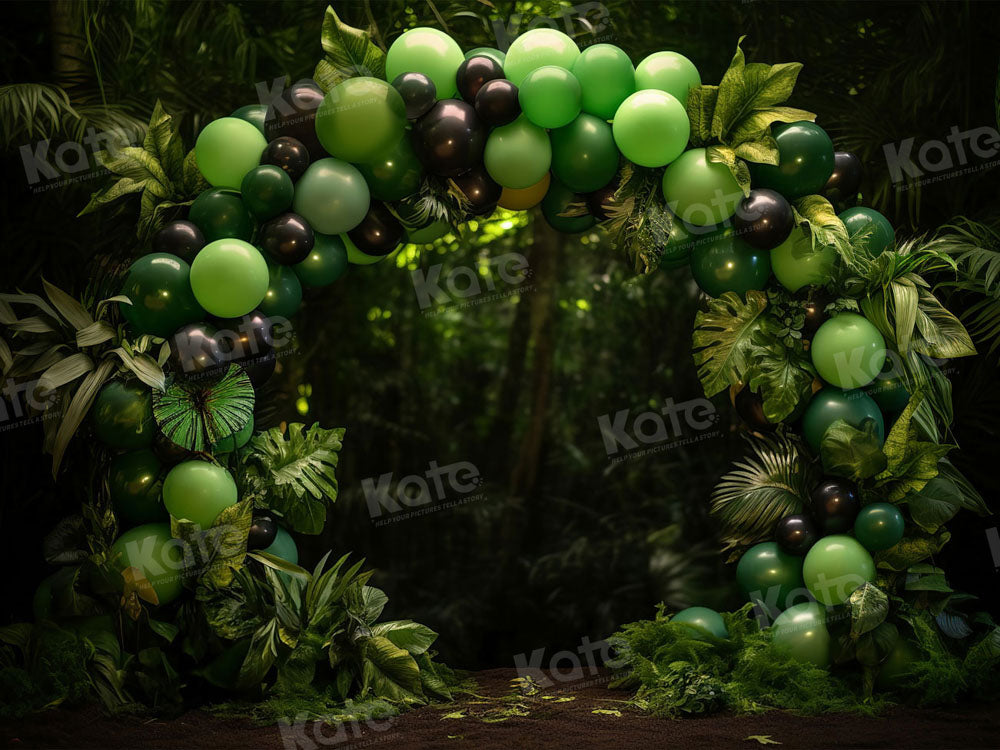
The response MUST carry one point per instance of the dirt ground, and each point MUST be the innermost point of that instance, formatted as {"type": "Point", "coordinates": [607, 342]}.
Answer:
{"type": "Point", "coordinates": [570, 715]}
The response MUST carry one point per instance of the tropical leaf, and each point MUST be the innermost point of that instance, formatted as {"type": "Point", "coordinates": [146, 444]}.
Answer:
{"type": "Point", "coordinates": [389, 671]}
{"type": "Point", "coordinates": [349, 52]}
{"type": "Point", "coordinates": [723, 339]}
{"type": "Point", "coordinates": [783, 376]}
{"type": "Point", "coordinates": [913, 548]}
{"type": "Point", "coordinates": [941, 334]}
{"type": "Point", "coordinates": [737, 166]}
{"type": "Point", "coordinates": [942, 497]}
{"type": "Point", "coordinates": [910, 462]}
{"type": "Point", "coordinates": [849, 452]}
{"type": "Point", "coordinates": [412, 636]}
{"type": "Point", "coordinates": [639, 222]}
{"type": "Point", "coordinates": [700, 108]}
{"type": "Point", "coordinates": [869, 607]}
{"type": "Point", "coordinates": [77, 410]}
{"type": "Point", "coordinates": [195, 413]}
{"type": "Point", "coordinates": [817, 216]}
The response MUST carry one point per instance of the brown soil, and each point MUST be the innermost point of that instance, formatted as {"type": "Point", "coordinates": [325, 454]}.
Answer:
{"type": "Point", "coordinates": [558, 716]}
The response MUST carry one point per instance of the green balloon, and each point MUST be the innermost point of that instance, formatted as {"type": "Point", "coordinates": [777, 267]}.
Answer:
{"type": "Point", "coordinates": [227, 149]}
{"type": "Point", "coordinates": [494, 54]}
{"type": "Point", "coordinates": [325, 264]}
{"type": "Point", "coordinates": [770, 577]}
{"type": "Point", "coordinates": [606, 78]}
{"type": "Point", "coordinates": [396, 174]}
{"type": "Point", "coordinates": [284, 547]}
{"type": "Point", "coordinates": [267, 191]}
{"type": "Point", "coordinates": [584, 155]}
{"type": "Point", "coordinates": [537, 48]}
{"type": "Point", "coordinates": [550, 96]}
{"type": "Point", "coordinates": [830, 404]}
{"type": "Point", "coordinates": [284, 293]}
{"type": "Point", "coordinates": [359, 258]}
{"type": "Point", "coordinates": [701, 192]}
{"type": "Point", "coordinates": [880, 236]}
{"type": "Point", "coordinates": [848, 351]}
{"type": "Point", "coordinates": [221, 214]}
{"type": "Point", "coordinates": [229, 278]}
{"type": "Point", "coordinates": [651, 128]}
{"type": "Point", "coordinates": [703, 620]}
{"type": "Point", "coordinates": [722, 262]}
{"type": "Point", "coordinates": [834, 567]}
{"type": "Point", "coordinates": [361, 119]}
{"type": "Point", "coordinates": [888, 390]}
{"type": "Point", "coordinates": [677, 253]}
{"type": "Point", "coordinates": [159, 285]}
{"type": "Point", "coordinates": [235, 441]}
{"type": "Point", "coordinates": [806, 161]}
{"type": "Point", "coordinates": [797, 264]}
{"type": "Point", "coordinates": [800, 631]}
{"type": "Point", "coordinates": [428, 51]}
{"type": "Point", "coordinates": [332, 196]}
{"type": "Point", "coordinates": [556, 201]}
{"type": "Point", "coordinates": [123, 415]}
{"type": "Point", "coordinates": [198, 491]}
{"type": "Point", "coordinates": [879, 526]}
{"type": "Point", "coordinates": [135, 486]}
{"type": "Point", "coordinates": [668, 71]}
{"type": "Point", "coordinates": [518, 155]}
{"type": "Point", "coordinates": [426, 234]}
{"type": "Point", "coordinates": [255, 114]}
{"type": "Point", "coordinates": [156, 554]}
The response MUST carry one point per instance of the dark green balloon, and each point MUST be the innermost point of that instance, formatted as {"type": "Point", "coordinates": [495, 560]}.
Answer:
{"type": "Point", "coordinates": [557, 200]}
{"type": "Point", "coordinates": [396, 175]}
{"type": "Point", "coordinates": [879, 526]}
{"type": "Point", "coordinates": [267, 191]}
{"type": "Point", "coordinates": [888, 390]}
{"type": "Point", "coordinates": [220, 214]}
{"type": "Point", "coordinates": [806, 161]}
{"type": "Point", "coordinates": [325, 264]}
{"type": "Point", "coordinates": [677, 253]}
{"type": "Point", "coordinates": [584, 154]}
{"type": "Point", "coordinates": [722, 262]}
{"type": "Point", "coordinates": [880, 237]}
{"type": "Point", "coordinates": [136, 486]}
{"type": "Point", "coordinates": [830, 404]}
{"type": "Point", "coordinates": [123, 415]}
{"type": "Point", "coordinates": [159, 285]}
{"type": "Point", "coordinates": [770, 576]}
{"type": "Point", "coordinates": [254, 114]}
{"type": "Point", "coordinates": [284, 292]}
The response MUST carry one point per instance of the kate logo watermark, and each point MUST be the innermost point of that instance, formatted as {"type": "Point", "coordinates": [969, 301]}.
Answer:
{"type": "Point", "coordinates": [414, 495]}
{"type": "Point", "coordinates": [575, 20]}
{"type": "Point", "coordinates": [568, 666]}
{"type": "Point", "coordinates": [48, 165]}
{"type": "Point", "coordinates": [466, 286]}
{"type": "Point", "coordinates": [960, 152]}
{"type": "Point", "coordinates": [661, 429]}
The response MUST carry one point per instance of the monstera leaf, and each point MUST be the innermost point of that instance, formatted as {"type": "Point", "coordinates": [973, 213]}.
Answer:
{"type": "Point", "coordinates": [723, 338]}
{"type": "Point", "coordinates": [196, 413]}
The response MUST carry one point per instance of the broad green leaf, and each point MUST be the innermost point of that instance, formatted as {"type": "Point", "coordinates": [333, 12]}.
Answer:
{"type": "Point", "coordinates": [757, 124]}
{"type": "Point", "coordinates": [349, 52]}
{"type": "Point", "coordinates": [700, 108]}
{"type": "Point", "coordinates": [984, 655]}
{"type": "Point", "coordinates": [369, 604]}
{"type": "Point", "coordinates": [874, 647]}
{"type": "Point", "coordinates": [941, 334]}
{"type": "Point", "coordinates": [144, 367]}
{"type": "Point", "coordinates": [932, 582]}
{"type": "Point", "coordinates": [782, 375]}
{"type": "Point", "coordinates": [196, 413]}
{"type": "Point", "coordinates": [430, 677]}
{"type": "Point", "coordinates": [69, 307]}
{"type": "Point", "coordinates": [849, 452]}
{"type": "Point", "coordinates": [737, 167]}
{"type": "Point", "coordinates": [277, 563]}
{"type": "Point", "coordinates": [762, 150]}
{"type": "Point", "coordinates": [192, 181]}
{"type": "Point", "coordinates": [164, 144]}
{"type": "Point", "coordinates": [261, 655]}
{"type": "Point", "coordinates": [412, 636]}
{"type": "Point", "coordinates": [66, 370]}
{"type": "Point", "coordinates": [77, 410]}
{"type": "Point", "coordinates": [942, 497]}
{"type": "Point", "coordinates": [869, 606]}
{"type": "Point", "coordinates": [912, 549]}
{"type": "Point", "coordinates": [96, 333]}
{"type": "Point", "coordinates": [723, 339]}
{"type": "Point", "coordinates": [389, 671]}
{"type": "Point", "coordinates": [817, 216]}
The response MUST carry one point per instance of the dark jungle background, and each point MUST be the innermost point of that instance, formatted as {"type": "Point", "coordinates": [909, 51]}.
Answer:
{"type": "Point", "coordinates": [565, 543]}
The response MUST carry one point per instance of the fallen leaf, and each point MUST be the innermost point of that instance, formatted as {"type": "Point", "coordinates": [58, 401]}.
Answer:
{"type": "Point", "coordinates": [762, 739]}
{"type": "Point", "coordinates": [607, 712]}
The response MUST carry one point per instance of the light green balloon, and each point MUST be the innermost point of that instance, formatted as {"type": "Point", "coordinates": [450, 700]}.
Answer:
{"type": "Point", "coordinates": [668, 71]}
{"type": "Point", "coordinates": [835, 566]}
{"type": "Point", "coordinates": [227, 149]}
{"type": "Point", "coordinates": [800, 631]}
{"type": "Point", "coordinates": [494, 54]}
{"type": "Point", "coordinates": [429, 233]}
{"type": "Point", "coordinates": [550, 96]}
{"type": "Point", "coordinates": [332, 196]}
{"type": "Point", "coordinates": [701, 192]}
{"type": "Point", "coordinates": [537, 48]}
{"type": "Point", "coordinates": [702, 619]}
{"type": "Point", "coordinates": [229, 278]}
{"type": "Point", "coordinates": [158, 556]}
{"type": "Point", "coordinates": [428, 51]}
{"type": "Point", "coordinates": [518, 155]}
{"type": "Point", "coordinates": [797, 264]}
{"type": "Point", "coordinates": [198, 491]}
{"type": "Point", "coordinates": [651, 128]}
{"type": "Point", "coordinates": [358, 258]}
{"type": "Point", "coordinates": [360, 120]}
{"type": "Point", "coordinates": [606, 77]}
{"type": "Point", "coordinates": [848, 351]}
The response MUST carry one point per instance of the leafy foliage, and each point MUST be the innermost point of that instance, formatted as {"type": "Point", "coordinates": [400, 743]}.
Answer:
{"type": "Point", "coordinates": [639, 221]}
{"type": "Point", "coordinates": [348, 52]}
{"type": "Point", "coordinates": [194, 413]}
{"type": "Point", "coordinates": [723, 338]}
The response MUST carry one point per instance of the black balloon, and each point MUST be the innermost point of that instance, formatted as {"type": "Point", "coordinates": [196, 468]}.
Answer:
{"type": "Point", "coordinates": [294, 115]}
{"type": "Point", "coordinates": [473, 74]}
{"type": "Point", "coordinates": [195, 348]}
{"type": "Point", "coordinates": [180, 238]}
{"type": "Point", "coordinates": [245, 338]}
{"type": "Point", "coordinates": [379, 232]}
{"type": "Point", "coordinates": [796, 534]}
{"type": "Point", "coordinates": [497, 103]}
{"type": "Point", "coordinates": [287, 153]}
{"type": "Point", "coordinates": [418, 91]}
{"type": "Point", "coordinates": [845, 181]}
{"type": "Point", "coordinates": [763, 219]}
{"type": "Point", "coordinates": [599, 201]}
{"type": "Point", "coordinates": [480, 190]}
{"type": "Point", "coordinates": [814, 309]}
{"type": "Point", "coordinates": [288, 239]}
{"type": "Point", "coordinates": [750, 407]}
{"type": "Point", "coordinates": [835, 504]}
{"type": "Point", "coordinates": [262, 532]}
{"type": "Point", "coordinates": [450, 138]}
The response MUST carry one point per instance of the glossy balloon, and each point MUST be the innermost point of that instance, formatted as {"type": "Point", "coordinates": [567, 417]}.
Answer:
{"type": "Point", "coordinates": [332, 196]}
{"type": "Point", "coordinates": [668, 71]}
{"type": "Point", "coordinates": [550, 96]}
{"type": "Point", "coordinates": [255, 114]}
{"type": "Point", "coordinates": [770, 577]}
{"type": "Point", "coordinates": [227, 149]}
{"type": "Point", "coordinates": [379, 232]}
{"type": "Point", "coordinates": [801, 632]}
{"type": "Point", "coordinates": [450, 138]}
{"type": "Point", "coordinates": [361, 119]}
{"type": "Point", "coordinates": [482, 192]}
{"type": "Point", "coordinates": [229, 278]}
{"type": "Point", "coordinates": [284, 293]}
{"type": "Point", "coordinates": [267, 191]}
{"type": "Point", "coordinates": [428, 51]}
{"type": "Point", "coordinates": [806, 161]}
{"type": "Point", "coordinates": [263, 531]}
{"type": "Point", "coordinates": [289, 155]}
{"type": "Point", "coordinates": [287, 239]}
{"type": "Point", "coordinates": [198, 491]}
{"type": "Point", "coordinates": [750, 407]}
{"type": "Point", "coordinates": [834, 567]}
{"type": "Point", "coordinates": [247, 337]}
{"type": "Point", "coordinates": [294, 116]}
{"type": "Point", "coordinates": [796, 534]}
{"type": "Point", "coordinates": [525, 198]}
{"type": "Point", "coordinates": [584, 155]}
{"type": "Point", "coordinates": [763, 219]}
{"type": "Point", "coordinates": [879, 526]}
{"type": "Point", "coordinates": [606, 78]}
{"type": "Point", "coordinates": [135, 486]}
{"type": "Point", "coordinates": [284, 547]}
{"type": "Point", "coordinates": [325, 264]}
{"type": "Point", "coordinates": [159, 286]}
{"type": "Point", "coordinates": [557, 201]}
{"type": "Point", "coordinates": [814, 310]}
{"type": "Point", "coordinates": [845, 181]}
{"type": "Point", "coordinates": [796, 263]}
{"type": "Point", "coordinates": [221, 214]}
{"type": "Point", "coordinates": [156, 555]}
{"type": "Point", "coordinates": [888, 390]}
{"type": "Point", "coordinates": [498, 103]}
{"type": "Point", "coordinates": [651, 128]}
{"type": "Point", "coordinates": [428, 233]}
{"type": "Point", "coordinates": [703, 621]}
{"type": "Point", "coordinates": [518, 155]}
{"type": "Point", "coordinates": [359, 258]}
{"type": "Point", "coordinates": [180, 238]}
{"type": "Point", "coordinates": [494, 54]}
{"type": "Point", "coordinates": [721, 262]}
{"type": "Point", "coordinates": [194, 348]}
{"type": "Point", "coordinates": [879, 234]}
{"type": "Point", "coordinates": [830, 404]}
{"type": "Point", "coordinates": [848, 351]}
{"type": "Point", "coordinates": [473, 73]}
{"type": "Point", "coordinates": [537, 48]}
{"type": "Point", "coordinates": [395, 175]}
{"type": "Point", "coordinates": [700, 192]}
{"type": "Point", "coordinates": [835, 503]}
{"type": "Point", "coordinates": [682, 240]}
{"type": "Point", "coordinates": [235, 441]}
{"type": "Point", "coordinates": [418, 92]}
